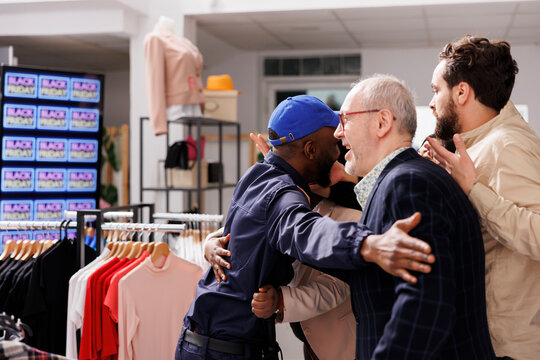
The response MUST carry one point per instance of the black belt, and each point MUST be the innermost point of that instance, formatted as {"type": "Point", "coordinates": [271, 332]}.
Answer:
{"type": "Point", "coordinates": [214, 344]}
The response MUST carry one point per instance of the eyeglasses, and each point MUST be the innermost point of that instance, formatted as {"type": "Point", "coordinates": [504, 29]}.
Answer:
{"type": "Point", "coordinates": [343, 117]}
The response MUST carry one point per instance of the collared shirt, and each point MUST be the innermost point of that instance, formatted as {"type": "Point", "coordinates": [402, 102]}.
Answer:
{"type": "Point", "coordinates": [364, 187]}
{"type": "Point", "coordinates": [271, 223]}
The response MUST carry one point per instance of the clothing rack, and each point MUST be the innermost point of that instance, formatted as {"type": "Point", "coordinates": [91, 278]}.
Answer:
{"type": "Point", "coordinates": [189, 217]}
{"type": "Point", "coordinates": [189, 244]}
{"type": "Point", "coordinates": [110, 215]}
{"type": "Point", "coordinates": [192, 219]}
{"type": "Point", "coordinates": [99, 215]}
{"type": "Point", "coordinates": [51, 225]}
{"type": "Point", "coordinates": [36, 225]}
{"type": "Point", "coordinates": [144, 227]}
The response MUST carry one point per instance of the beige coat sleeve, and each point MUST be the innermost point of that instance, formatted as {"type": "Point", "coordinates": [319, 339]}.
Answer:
{"type": "Point", "coordinates": [155, 83]}
{"type": "Point", "coordinates": [313, 294]}
{"type": "Point", "coordinates": [509, 207]}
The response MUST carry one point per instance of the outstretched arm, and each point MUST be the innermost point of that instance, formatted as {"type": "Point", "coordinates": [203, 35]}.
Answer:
{"type": "Point", "coordinates": [394, 251]}
{"type": "Point", "coordinates": [305, 236]}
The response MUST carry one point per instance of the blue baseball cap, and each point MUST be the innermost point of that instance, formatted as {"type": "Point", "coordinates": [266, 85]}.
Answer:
{"type": "Point", "coordinates": [299, 116]}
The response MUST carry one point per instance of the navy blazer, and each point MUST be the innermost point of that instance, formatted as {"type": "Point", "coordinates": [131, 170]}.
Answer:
{"type": "Point", "coordinates": [443, 316]}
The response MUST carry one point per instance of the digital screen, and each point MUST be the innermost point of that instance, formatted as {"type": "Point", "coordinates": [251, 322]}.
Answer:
{"type": "Point", "coordinates": [17, 179]}
{"type": "Point", "coordinates": [80, 204]}
{"type": "Point", "coordinates": [20, 85]}
{"type": "Point", "coordinates": [16, 210]}
{"type": "Point", "coordinates": [81, 150]}
{"type": "Point", "coordinates": [52, 118]}
{"type": "Point", "coordinates": [50, 142]}
{"type": "Point", "coordinates": [84, 120]}
{"type": "Point", "coordinates": [53, 87]}
{"type": "Point", "coordinates": [85, 90]}
{"type": "Point", "coordinates": [82, 180]}
{"type": "Point", "coordinates": [19, 116]}
{"type": "Point", "coordinates": [49, 210]}
{"type": "Point", "coordinates": [50, 180]}
{"type": "Point", "coordinates": [18, 148]}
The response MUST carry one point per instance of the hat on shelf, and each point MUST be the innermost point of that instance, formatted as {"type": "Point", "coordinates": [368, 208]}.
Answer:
{"type": "Point", "coordinates": [219, 82]}
{"type": "Point", "coordinates": [299, 116]}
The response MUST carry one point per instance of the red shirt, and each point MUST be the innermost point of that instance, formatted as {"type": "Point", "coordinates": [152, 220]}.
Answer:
{"type": "Point", "coordinates": [109, 330]}
{"type": "Point", "coordinates": [111, 300]}
{"type": "Point", "coordinates": [99, 294]}
{"type": "Point", "coordinates": [88, 334]}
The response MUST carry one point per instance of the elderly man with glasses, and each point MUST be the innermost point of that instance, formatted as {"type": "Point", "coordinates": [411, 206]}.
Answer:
{"type": "Point", "coordinates": [443, 314]}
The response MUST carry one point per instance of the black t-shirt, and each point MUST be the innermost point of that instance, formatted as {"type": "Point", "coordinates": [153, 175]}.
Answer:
{"type": "Point", "coordinates": [14, 303]}
{"type": "Point", "coordinates": [6, 281]}
{"type": "Point", "coordinates": [45, 308]}
{"type": "Point", "coordinates": [5, 263]}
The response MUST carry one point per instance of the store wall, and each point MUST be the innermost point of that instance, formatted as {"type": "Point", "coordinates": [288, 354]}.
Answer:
{"type": "Point", "coordinates": [116, 103]}
{"type": "Point", "coordinates": [414, 66]}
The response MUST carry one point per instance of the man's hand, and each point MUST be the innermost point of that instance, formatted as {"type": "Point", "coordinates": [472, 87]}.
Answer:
{"type": "Point", "coordinates": [337, 174]}
{"type": "Point", "coordinates": [396, 252]}
{"type": "Point", "coordinates": [424, 151]}
{"type": "Point", "coordinates": [265, 302]}
{"type": "Point", "coordinates": [260, 143]}
{"type": "Point", "coordinates": [214, 250]}
{"type": "Point", "coordinates": [459, 165]}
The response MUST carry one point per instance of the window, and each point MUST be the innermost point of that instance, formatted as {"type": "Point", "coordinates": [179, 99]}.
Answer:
{"type": "Point", "coordinates": [313, 65]}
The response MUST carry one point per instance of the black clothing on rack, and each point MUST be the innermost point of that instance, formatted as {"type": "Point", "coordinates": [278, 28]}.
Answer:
{"type": "Point", "coordinates": [13, 304]}
{"type": "Point", "coordinates": [6, 280]}
{"type": "Point", "coordinates": [36, 291]}
{"type": "Point", "coordinates": [45, 306]}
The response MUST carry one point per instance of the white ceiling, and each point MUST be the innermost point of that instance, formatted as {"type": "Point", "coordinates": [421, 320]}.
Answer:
{"type": "Point", "coordinates": [515, 21]}
{"type": "Point", "coordinates": [353, 28]}
{"type": "Point", "coordinates": [74, 52]}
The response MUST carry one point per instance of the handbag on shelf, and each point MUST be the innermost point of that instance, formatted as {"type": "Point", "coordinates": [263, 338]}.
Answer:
{"type": "Point", "coordinates": [192, 147]}
{"type": "Point", "coordinates": [181, 169]}
{"type": "Point", "coordinates": [178, 155]}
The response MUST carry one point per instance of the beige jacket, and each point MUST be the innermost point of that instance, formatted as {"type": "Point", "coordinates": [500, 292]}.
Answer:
{"type": "Point", "coordinates": [322, 303]}
{"type": "Point", "coordinates": [173, 75]}
{"type": "Point", "coordinates": [506, 153]}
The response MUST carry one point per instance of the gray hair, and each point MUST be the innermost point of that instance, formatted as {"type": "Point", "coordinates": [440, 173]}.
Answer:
{"type": "Point", "coordinates": [382, 91]}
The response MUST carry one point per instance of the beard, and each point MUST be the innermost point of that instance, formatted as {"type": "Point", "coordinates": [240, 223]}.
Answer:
{"type": "Point", "coordinates": [323, 178]}
{"type": "Point", "coordinates": [447, 123]}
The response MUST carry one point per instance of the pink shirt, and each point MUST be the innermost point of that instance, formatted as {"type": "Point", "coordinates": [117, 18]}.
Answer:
{"type": "Point", "coordinates": [152, 302]}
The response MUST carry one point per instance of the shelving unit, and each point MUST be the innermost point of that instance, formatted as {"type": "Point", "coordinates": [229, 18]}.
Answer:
{"type": "Point", "coordinates": [196, 122]}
